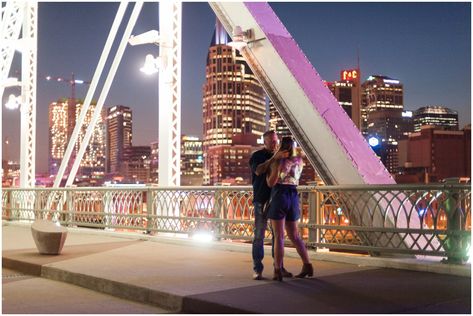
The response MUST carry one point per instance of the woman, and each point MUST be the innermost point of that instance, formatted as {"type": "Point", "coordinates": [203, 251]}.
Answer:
{"type": "Point", "coordinates": [284, 206]}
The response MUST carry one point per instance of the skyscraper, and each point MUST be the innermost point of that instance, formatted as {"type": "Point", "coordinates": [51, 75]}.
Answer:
{"type": "Point", "coordinates": [233, 102]}
{"type": "Point", "coordinates": [276, 123]}
{"type": "Point", "coordinates": [61, 120]}
{"type": "Point", "coordinates": [58, 135]}
{"type": "Point", "coordinates": [347, 91]}
{"type": "Point", "coordinates": [438, 116]}
{"type": "Point", "coordinates": [383, 99]}
{"type": "Point", "coordinates": [383, 117]}
{"type": "Point", "coordinates": [119, 136]}
{"type": "Point", "coordinates": [135, 167]}
{"type": "Point", "coordinates": [192, 160]}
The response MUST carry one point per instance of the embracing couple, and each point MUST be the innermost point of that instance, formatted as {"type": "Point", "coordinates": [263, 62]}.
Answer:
{"type": "Point", "coordinates": [275, 175]}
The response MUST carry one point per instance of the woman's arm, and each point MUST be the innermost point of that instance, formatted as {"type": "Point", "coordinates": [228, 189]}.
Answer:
{"type": "Point", "coordinates": [263, 167]}
{"type": "Point", "coordinates": [272, 177]}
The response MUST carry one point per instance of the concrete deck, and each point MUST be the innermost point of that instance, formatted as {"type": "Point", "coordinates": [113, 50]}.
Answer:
{"type": "Point", "coordinates": [190, 277]}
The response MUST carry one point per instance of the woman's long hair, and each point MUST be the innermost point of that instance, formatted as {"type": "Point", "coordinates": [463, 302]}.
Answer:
{"type": "Point", "coordinates": [287, 143]}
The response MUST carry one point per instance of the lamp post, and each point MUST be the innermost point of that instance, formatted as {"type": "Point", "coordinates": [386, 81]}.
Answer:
{"type": "Point", "coordinates": [168, 64]}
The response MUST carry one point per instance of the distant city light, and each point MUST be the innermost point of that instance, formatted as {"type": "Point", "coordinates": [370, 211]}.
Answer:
{"type": "Point", "coordinates": [391, 81]}
{"type": "Point", "coordinates": [373, 141]}
{"type": "Point", "coordinates": [407, 114]}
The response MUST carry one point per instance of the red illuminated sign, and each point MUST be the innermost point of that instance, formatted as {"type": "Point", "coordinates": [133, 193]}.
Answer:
{"type": "Point", "coordinates": [350, 74]}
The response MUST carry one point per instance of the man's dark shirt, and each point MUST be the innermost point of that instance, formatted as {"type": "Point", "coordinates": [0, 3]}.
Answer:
{"type": "Point", "coordinates": [261, 191]}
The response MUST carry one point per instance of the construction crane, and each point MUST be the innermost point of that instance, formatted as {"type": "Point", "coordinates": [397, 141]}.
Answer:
{"type": "Point", "coordinates": [71, 110]}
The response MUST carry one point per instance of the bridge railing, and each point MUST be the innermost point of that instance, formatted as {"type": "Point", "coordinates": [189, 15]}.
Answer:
{"type": "Point", "coordinates": [403, 219]}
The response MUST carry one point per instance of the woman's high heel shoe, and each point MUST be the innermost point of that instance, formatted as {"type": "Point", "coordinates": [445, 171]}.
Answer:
{"type": "Point", "coordinates": [277, 275]}
{"type": "Point", "coordinates": [307, 270]}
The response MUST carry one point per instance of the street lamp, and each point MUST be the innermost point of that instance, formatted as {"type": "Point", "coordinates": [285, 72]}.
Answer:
{"type": "Point", "coordinates": [13, 102]}
{"type": "Point", "coordinates": [152, 64]}
{"type": "Point", "coordinates": [168, 65]}
{"type": "Point", "coordinates": [241, 38]}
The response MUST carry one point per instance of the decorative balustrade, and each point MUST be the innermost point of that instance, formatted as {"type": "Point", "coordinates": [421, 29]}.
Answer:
{"type": "Point", "coordinates": [403, 219]}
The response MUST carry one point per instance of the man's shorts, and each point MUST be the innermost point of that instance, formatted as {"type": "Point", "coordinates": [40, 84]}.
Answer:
{"type": "Point", "coordinates": [284, 203]}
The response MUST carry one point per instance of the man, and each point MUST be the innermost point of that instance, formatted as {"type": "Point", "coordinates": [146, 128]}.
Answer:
{"type": "Point", "coordinates": [259, 163]}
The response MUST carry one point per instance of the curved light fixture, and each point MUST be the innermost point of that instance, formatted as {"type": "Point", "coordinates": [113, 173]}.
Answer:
{"type": "Point", "coordinates": [151, 65]}
{"type": "Point", "coordinates": [13, 102]}
{"type": "Point", "coordinates": [240, 38]}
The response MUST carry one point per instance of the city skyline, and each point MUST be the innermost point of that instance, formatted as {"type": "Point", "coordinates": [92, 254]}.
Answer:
{"type": "Point", "coordinates": [426, 46]}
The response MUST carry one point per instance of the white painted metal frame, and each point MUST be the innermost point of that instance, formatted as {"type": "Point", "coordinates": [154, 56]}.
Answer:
{"type": "Point", "coordinates": [90, 94]}
{"type": "Point", "coordinates": [15, 15]}
{"type": "Point", "coordinates": [28, 95]}
{"type": "Point", "coordinates": [170, 28]}
{"type": "Point", "coordinates": [105, 90]}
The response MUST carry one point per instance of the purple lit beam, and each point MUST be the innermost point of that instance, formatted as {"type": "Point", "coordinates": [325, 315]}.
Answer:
{"type": "Point", "coordinates": [345, 132]}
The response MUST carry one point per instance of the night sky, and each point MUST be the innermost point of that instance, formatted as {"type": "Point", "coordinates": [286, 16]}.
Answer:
{"type": "Point", "coordinates": [425, 45]}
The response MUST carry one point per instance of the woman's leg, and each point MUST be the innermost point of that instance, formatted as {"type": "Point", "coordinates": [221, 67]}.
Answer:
{"type": "Point", "coordinates": [278, 231]}
{"type": "Point", "coordinates": [293, 234]}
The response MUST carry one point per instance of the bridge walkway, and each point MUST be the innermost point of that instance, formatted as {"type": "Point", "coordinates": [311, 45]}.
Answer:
{"type": "Point", "coordinates": [186, 276]}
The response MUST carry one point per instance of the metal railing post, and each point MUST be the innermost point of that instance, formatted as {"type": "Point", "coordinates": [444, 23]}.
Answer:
{"type": "Point", "coordinates": [313, 211]}
{"type": "Point", "coordinates": [150, 210]}
{"type": "Point", "coordinates": [453, 244]}
{"type": "Point", "coordinates": [37, 212]}
{"type": "Point", "coordinates": [218, 207]}
{"type": "Point", "coordinates": [69, 207]}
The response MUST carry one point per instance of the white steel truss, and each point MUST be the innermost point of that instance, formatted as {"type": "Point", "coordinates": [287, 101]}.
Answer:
{"type": "Point", "coordinates": [105, 90]}
{"type": "Point", "coordinates": [28, 95]}
{"type": "Point", "coordinates": [98, 72]}
{"type": "Point", "coordinates": [170, 28]}
{"type": "Point", "coordinates": [15, 15]}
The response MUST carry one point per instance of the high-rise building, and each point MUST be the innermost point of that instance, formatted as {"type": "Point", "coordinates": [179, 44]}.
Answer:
{"type": "Point", "coordinates": [438, 116]}
{"type": "Point", "coordinates": [276, 123]}
{"type": "Point", "coordinates": [390, 125]}
{"type": "Point", "coordinates": [135, 166]}
{"type": "Point", "coordinates": [228, 164]}
{"type": "Point", "coordinates": [381, 93]}
{"type": "Point", "coordinates": [433, 154]}
{"type": "Point", "coordinates": [61, 119]}
{"type": "Point", "coordinates": [58, 136]}
{"type": "Point", "coordinates": [383, 117]}
{"type": "Point", "coordinates": [119, 136]}
{"type": "Point", "coordinates": [154, 163]}
{"type": "Point", "coordinates": [93, 162]}
{"type": "Point", "coordinates": [347, 91]}
{"type": "Point", "coordinates": [233, 101]}
{"type": "Point", "coordinates": [192, 160]}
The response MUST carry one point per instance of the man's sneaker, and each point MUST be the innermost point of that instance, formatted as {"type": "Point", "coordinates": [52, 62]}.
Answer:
{"type": "Point", "coordinates": [258, 276]}
{"type": "Point", "coordinates": [285, 273]}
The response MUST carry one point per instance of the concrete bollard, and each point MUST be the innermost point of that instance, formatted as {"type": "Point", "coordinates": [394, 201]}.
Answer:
{"type": "Point", "coordinates": [48, 237]}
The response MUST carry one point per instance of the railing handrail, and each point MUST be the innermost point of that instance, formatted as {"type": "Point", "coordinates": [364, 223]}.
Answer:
{"type": "Point", "coordinates": [361, 187]}
{"type": "Point", "coordinates": [433, 219]}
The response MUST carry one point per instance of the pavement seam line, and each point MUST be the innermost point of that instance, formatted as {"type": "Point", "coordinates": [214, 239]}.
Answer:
{"type": "Point", "coordinates": [170, 302]}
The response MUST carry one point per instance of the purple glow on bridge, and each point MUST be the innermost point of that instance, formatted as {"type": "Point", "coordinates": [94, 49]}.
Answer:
{"type": "Point", "coordinates": [348, 136]}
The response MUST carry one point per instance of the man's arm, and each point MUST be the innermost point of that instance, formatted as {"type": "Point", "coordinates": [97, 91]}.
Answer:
{"type": "Point", "coordinates": [263, 167]}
